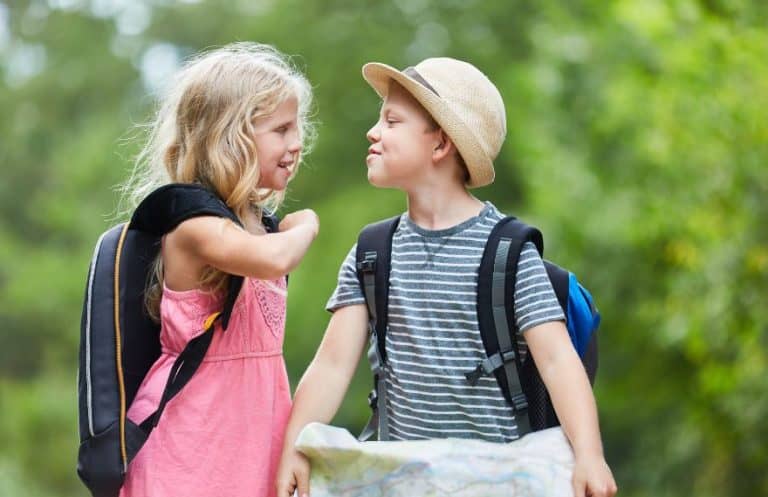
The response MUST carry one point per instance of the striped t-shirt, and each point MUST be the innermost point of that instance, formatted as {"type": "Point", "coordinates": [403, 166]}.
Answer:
{"type": "Point", "coordinates": [432, 335]}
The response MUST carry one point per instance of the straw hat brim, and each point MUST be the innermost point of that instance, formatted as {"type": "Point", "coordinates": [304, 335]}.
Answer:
{"type": "Point", "coordinates": [479, 165]}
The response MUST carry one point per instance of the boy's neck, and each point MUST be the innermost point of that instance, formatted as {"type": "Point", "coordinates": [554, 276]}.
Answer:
{"type": "Point", "coordinates": [438, 208]}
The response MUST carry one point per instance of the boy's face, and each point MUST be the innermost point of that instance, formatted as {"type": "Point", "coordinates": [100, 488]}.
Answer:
{"type": "Point", "coordinates": [402, 141]}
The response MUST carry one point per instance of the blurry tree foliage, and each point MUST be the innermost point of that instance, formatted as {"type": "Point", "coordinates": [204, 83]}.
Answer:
{"type": "Point", "coordinates": [637, 141]}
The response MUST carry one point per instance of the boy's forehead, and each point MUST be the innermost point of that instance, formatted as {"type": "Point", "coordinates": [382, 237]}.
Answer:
{"type": "Point", "coordinates": [398, 97]}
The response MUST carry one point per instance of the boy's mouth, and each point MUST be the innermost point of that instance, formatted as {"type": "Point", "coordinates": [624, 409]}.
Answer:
{"type": "Point", "coordinates": [372, 152]}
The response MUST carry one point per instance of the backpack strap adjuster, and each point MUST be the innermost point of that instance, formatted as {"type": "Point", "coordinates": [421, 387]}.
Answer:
{"type": "Point", "coordinates": [368, 265]}
{"type": "Point", "coordinates": [489, 365]}
{"type": "Point", "coordinates": [519, 402]}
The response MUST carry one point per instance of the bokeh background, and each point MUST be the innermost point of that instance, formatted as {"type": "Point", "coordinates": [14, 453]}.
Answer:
{"type": "Point", "coordinates": [638, 140]}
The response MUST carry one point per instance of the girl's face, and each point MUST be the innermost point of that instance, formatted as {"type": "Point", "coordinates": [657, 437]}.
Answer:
{"type": "Point", "coordinates": [278, 145]}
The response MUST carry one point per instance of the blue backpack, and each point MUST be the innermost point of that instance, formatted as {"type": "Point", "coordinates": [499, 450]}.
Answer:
{"type": "Point", "coordinates": [519, 381]}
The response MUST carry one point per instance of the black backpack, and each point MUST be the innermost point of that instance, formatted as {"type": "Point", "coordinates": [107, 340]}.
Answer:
{"type": "Point", "coordinates": [119, 342]}
{"type": "Point", "coordinates": [519, 381]}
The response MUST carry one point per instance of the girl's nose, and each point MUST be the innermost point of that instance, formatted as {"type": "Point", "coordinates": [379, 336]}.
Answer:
{"type": "Point", "coordinates": [295, 143]}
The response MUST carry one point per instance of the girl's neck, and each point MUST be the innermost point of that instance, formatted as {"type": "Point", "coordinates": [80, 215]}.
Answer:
{"type": "Point", "coordinates": [435, 208]}
{"type": "Point", "coordinates": [252, 223]}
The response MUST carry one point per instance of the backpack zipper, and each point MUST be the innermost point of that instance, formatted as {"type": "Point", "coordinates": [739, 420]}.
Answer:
{"type": "Point", "coordinates": [118, 347]}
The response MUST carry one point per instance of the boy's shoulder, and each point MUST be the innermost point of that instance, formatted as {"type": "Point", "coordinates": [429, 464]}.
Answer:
{"type": "Point", "coordinates": [380, 235]}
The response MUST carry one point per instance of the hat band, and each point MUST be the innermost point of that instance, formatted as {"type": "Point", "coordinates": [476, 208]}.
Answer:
{"type": "Point", "coordinates": [413, 74]}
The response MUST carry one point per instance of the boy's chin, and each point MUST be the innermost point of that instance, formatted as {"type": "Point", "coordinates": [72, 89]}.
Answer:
{"type": "Point", "coordinates": [375, 178]}
{"type": "Point", "coordinates": [378, 181]}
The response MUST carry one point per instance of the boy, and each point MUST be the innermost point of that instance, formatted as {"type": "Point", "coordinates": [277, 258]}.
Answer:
{"type": "Point", "coordinates": [441, 125]}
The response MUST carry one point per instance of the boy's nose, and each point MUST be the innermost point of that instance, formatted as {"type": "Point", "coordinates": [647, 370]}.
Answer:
{"type": "Point", "coordinates": [373, 134]}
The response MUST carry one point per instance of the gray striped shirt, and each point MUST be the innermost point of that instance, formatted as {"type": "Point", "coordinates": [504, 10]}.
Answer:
{"type": "Point", "coordinates": [433, 336]}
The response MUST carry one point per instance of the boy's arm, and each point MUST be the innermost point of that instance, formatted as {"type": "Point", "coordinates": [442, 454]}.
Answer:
{"type": "Point", "coordinates": [568, 386]}
{"type": "Point", "coordinates": [321, 390]}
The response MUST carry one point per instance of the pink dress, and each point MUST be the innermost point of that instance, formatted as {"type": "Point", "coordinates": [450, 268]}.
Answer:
{"type": "Point", "coordinates": [222, 434]}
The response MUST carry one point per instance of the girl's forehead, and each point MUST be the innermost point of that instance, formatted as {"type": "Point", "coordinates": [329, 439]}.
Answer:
{"type": "Point", "coordinates": [288, 106]}
{"type": "Point", "coordinates": [286, 111]}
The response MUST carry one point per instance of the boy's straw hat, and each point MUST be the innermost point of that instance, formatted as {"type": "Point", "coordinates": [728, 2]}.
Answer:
{"type": "Point", "coordinates": [461, 99]}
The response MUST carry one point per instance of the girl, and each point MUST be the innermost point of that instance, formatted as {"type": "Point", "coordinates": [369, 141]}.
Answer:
{"type": "Point", "coordinates": [234, 121]}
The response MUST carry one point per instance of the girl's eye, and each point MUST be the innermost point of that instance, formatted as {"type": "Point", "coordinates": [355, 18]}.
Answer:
{"type": "Point", "coordinates": [282, 129]}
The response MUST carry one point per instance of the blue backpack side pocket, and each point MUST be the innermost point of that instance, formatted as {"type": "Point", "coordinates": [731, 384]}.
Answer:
{"type": "Point", "coordinates": [583, 317]}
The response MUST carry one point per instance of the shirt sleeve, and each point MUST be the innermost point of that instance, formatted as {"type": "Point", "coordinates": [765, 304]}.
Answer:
{"type": "Point", "coordinates": [535, 299]}
{"type": "Point", "coordinates": [348, 291]}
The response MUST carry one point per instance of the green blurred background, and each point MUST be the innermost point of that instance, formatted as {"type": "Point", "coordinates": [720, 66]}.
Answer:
{"type": "Point", "coordinates": [638, 139]}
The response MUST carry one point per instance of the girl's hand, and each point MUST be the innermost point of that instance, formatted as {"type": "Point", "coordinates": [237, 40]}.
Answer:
{"type": "Point", "coordinates": [303, 217]}
{"type": "Point", "coordinates": [593, 478]}
{"type": "Point", "coordinates": [293, 474]}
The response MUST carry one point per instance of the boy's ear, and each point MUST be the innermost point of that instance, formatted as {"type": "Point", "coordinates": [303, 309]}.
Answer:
{"type": "Point", "coordinates": [444, 147]}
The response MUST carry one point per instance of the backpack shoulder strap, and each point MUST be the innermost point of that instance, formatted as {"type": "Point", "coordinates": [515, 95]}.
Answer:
{"type": "Point", "coordinates": [165, 208]}
{"type": "Point", "coordinates": [495, 311]}
{"type": "Point", "coordinates": [373, 262]}
{"type": "Point", "coordinates": [168, 206]}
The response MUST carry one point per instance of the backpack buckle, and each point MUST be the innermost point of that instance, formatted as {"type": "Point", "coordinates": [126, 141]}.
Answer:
{"type": "Point", "coordinates": [368, 264]}
{"type": "Point", "coordinates": [489, 365]}
{"type": "Point", "coordinates": [373, 399]}
{"type": "Point", "coordinates": [474, 376]}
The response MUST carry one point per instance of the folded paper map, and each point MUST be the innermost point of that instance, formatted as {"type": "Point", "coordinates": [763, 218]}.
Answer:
{"type": "Point", "coordinates": [538, 465]}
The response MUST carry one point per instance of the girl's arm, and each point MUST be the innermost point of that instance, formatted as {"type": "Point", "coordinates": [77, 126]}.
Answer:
{"type": "Point", "coordinates": [568, 386]}
{"type": "Point", "coordinates": [220, 243]}
{"type": "Point", "coordinates": [321, 391]}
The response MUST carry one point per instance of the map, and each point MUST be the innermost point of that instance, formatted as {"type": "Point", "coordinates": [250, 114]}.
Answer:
{"type": "Point", "coordinates": [538, 465]}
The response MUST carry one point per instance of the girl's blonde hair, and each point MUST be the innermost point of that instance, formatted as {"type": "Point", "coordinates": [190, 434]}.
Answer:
{"type": "Point", "coordinates": [203, 132]}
